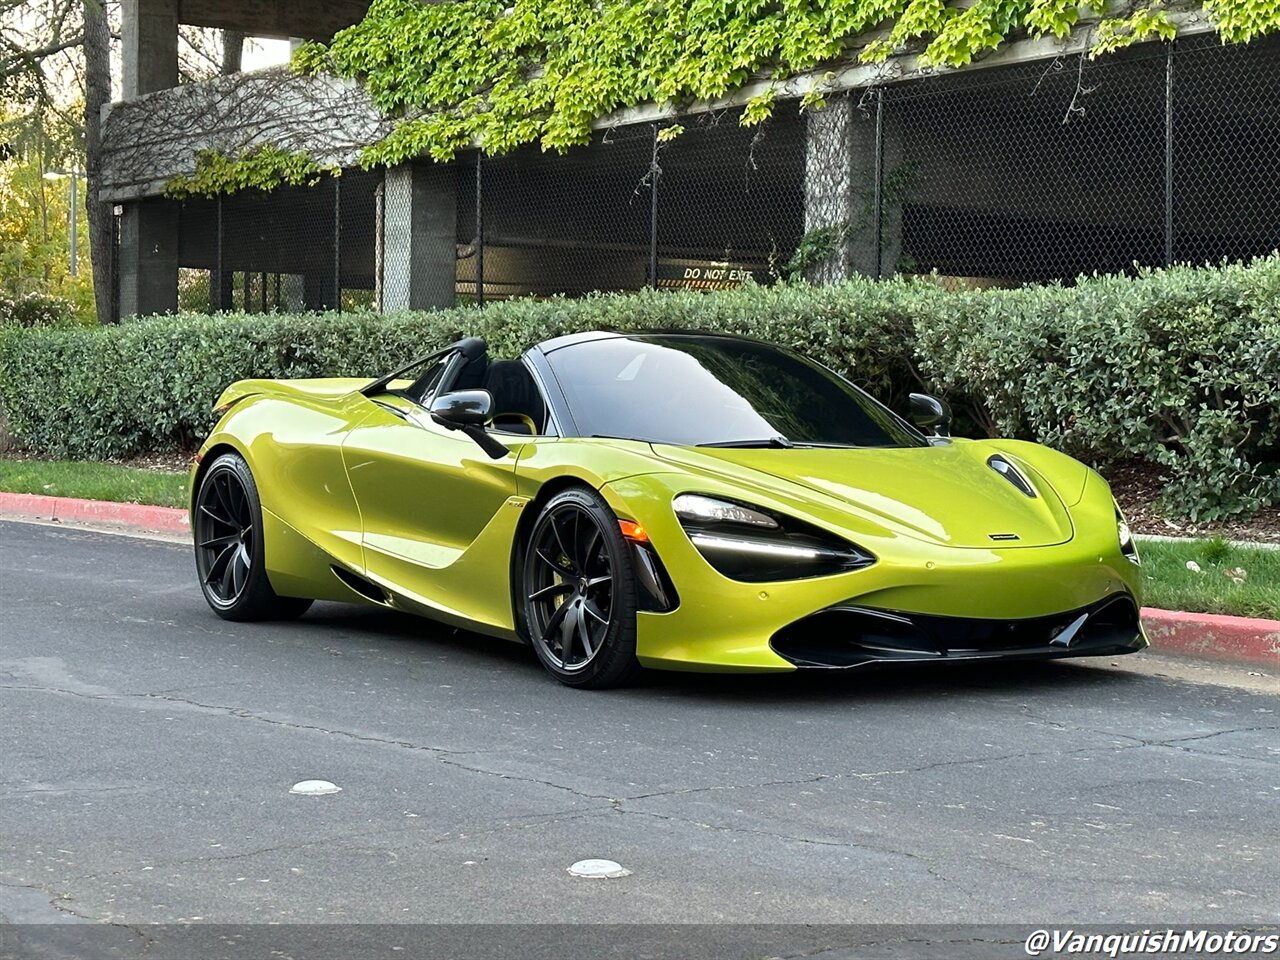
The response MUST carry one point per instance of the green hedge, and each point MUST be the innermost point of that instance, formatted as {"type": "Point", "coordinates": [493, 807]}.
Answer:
{"type": "Point", "coordinates": [1178, 366]}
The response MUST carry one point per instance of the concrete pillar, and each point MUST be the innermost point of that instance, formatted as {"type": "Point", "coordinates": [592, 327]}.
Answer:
{"type": "Point", "coordinates": [419, 237]}
{"type": "Point", "coordinates": [148, 228]}
{"type": "Point", "coordinates": [294, 301]}
{"type": "Point", "coordinates": [149, 46]}
{"type": "Point", "coordinates": [840, 164]}
{"type": "Point", "coordinates": [149, 257]}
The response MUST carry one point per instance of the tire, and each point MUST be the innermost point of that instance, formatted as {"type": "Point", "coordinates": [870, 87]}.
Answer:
{"type": "Point", "coordinates": [230, 561]}
{"type": "Point", "coordinates": [577, 587]}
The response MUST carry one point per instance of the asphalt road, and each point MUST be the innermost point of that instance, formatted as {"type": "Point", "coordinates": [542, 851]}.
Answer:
{"type": "Point", "coordinates": [149, 748]}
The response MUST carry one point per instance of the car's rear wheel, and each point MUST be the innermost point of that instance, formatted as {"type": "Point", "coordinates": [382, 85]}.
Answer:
{"type": "Point", "coordinates": [578, 592]}
{"type": "Point", "coordinates": [230, 561]}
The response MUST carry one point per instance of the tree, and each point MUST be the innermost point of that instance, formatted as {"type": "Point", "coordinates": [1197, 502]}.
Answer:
{"type": "Point", "coordinates": [35, 229]}
{"type": "Point", "coordinates": [232, 51]}
{"type": "Point", "coordinates": [97, 86]}
{"type": "Point", "coordinates": [56, 78]}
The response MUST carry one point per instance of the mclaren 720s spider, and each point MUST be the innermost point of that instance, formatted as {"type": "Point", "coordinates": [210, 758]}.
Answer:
{"type": "Point", "coordinates": [667, 500]}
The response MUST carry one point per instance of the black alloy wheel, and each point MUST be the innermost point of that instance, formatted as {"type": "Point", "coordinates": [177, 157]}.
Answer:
{"type": "Point", "coordinates": [227, 526]}
{"type": "Point", "coordinates": [579, 592]}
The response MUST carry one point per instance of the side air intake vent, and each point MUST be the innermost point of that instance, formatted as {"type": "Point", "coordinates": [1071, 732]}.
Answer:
{"type": "Point", "coordinates": [1011, 473]}
{"type": "Point", "coordinates": [366, 588]}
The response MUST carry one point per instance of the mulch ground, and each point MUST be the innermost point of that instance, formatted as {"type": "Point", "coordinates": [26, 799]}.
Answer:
{"type": "Point", "coordinates": [1138, 485]}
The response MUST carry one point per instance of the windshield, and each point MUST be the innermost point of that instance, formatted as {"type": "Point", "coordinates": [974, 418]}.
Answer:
{"type": "Point", "coordinates": [723, 391]}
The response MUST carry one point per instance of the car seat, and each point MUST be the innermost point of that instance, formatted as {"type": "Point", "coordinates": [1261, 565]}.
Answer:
{"type": "Point", "coordinates": [517, 404]}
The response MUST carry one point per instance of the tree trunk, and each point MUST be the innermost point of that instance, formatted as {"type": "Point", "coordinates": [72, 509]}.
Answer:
{"type": "Point", "coordinates": [232, 50]}
{"type": "Point", "coordinates": [102, 243]}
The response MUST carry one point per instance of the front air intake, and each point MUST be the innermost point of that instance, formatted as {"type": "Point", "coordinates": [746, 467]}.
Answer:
{"type": "Point", "coordinates": [848, 635]}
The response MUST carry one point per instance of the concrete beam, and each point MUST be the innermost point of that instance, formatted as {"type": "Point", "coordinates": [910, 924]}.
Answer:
{"type": "Point", "coordinates": [149, 42]}
{"type": "Point", "coordinates": [419, 237]}
{"type": "Point", "coordinates": [148, 141]}
{"type": "Point", "coordinates": [275, 18]}
{"type": "Point", "coordinates": [148, 258]}
{"type": "Point", "coordinates": [849, 74]}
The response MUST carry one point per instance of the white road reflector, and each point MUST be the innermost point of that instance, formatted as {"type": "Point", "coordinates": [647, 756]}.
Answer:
{"type": "Point", "coordinates": [314, 788]}
{"type": "Point", "coordinates": [598, 869]}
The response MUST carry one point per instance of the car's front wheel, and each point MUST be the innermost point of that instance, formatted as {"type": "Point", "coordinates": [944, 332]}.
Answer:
{"type": "Point", "coordinates": [230, 561]}
{"type": "Point", "coordinates": [579, 594]}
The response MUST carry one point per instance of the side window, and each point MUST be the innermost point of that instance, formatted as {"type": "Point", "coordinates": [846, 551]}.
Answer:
{"type": "Point", "coordinates": [518, 404]}
{"type": "Point", "coordinates": [422, 389]}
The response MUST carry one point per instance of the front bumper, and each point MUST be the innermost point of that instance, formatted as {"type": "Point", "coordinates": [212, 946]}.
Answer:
{"type": "Point", "coordinates": [849, 635]}
{"type": "Point", "coordinates": [723, 625]}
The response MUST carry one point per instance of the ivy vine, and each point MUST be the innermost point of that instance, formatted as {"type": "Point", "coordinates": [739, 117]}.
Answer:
{"type": "Point", "coordinates": [481, 72]}
{"type": "Point", "coordinates": [264, 168]}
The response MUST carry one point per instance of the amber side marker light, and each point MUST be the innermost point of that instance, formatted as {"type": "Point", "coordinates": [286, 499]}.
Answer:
{"type": "Point", "coordinates": [633, 531]}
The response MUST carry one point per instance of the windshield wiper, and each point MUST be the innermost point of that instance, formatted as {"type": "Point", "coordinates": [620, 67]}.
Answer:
{"type": "Point", "coordinates": [778, 441]}
{"type": "Point", "coordinates": [611, 436]}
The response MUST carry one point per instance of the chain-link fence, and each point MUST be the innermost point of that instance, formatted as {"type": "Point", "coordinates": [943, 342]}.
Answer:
{"type": "Point", "coordinates": [1029, 173]}
{"type": "Point", "coordinates": [293, 249]}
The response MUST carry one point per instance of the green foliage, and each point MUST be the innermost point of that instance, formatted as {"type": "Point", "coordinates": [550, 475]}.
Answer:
{"type": "Point", "coordinates": [1145, 23]}
{"type": "Point", "coordinates": [480, 71]}
{"type": "Point", "coordinates": [38, 310]}
{"type": "Point", "coordinates": [1175, 366]}
{"type": "Point", "coordinates": [263, 168]}
{"type": "Point", "coordinates": [1239, 21]}
{"type": "Point", "coordinates": [149, 385]}
{"type": "Point", "coordinates": [35, 235]}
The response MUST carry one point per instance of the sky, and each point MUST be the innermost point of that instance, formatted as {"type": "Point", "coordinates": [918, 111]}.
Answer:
{"type": "Point", "coordinates": [260, 53]}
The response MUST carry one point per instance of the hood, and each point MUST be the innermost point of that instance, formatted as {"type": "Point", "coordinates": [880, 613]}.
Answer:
{"type": "Point", "coordinates": [947, 494]}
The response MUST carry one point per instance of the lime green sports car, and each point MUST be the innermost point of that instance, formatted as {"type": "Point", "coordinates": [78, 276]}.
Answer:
{"type": "Point", "coordinates": [670, 500]}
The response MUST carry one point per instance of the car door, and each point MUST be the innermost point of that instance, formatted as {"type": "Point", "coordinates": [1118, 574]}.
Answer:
{"type": "Point", "coordinates": [434, 511]}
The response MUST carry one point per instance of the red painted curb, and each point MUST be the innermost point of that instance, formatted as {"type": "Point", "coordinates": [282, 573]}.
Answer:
{"type": "Point", "coordinates": [137, 515]}
{"type": "Point", "coordinates": [1212, 637]}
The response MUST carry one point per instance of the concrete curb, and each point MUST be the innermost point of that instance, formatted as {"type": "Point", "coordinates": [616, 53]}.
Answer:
{"type": "Point", "coordinates": [136, 516]}
{"type": "Point", "coordinates": [1208, 636]}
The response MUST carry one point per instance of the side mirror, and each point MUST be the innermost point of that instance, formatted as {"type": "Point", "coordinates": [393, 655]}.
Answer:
{"type": "Point", "coordinates": [931, 414]}
{"type": "Point", "coordinates": [468, 411]}
{"type": "Point", "coordinates": [462, 408]}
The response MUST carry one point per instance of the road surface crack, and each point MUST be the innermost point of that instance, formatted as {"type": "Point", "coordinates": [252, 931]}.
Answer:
{"type": "Point", "coordinates": [60, 903]}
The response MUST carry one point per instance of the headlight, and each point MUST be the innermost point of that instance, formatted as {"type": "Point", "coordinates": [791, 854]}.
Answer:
{"type": "Point", "coordinates": [748, 543]}
{"type": "Point", "coordinates": [699, 509]}
{"type": "Point", "coordinates": [1127, 546]}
